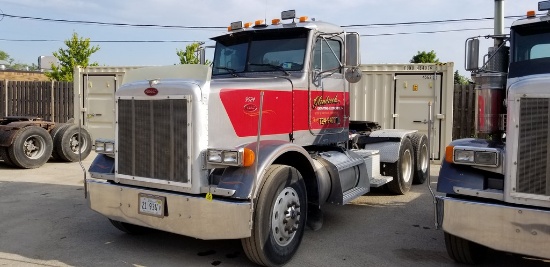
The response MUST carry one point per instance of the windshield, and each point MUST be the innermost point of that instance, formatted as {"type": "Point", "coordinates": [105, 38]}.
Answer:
{"type": "Point", "coordinates": [260, 51]}
{"type": "Point", "coordinates": [530, 49]}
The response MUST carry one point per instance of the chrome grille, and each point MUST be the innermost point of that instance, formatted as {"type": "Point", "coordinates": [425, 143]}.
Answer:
{"type": "Point", "coordinates": [533, 157]}
{"type": "Point", "coordinates": [152, 139]}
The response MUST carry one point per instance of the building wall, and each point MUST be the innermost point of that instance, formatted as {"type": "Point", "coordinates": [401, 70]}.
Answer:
{"type": "Point", "coordinates": [17, 75]}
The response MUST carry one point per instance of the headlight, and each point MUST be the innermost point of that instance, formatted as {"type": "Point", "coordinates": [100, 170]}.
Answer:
{"type": "Point", "coordinates": [464, 156]}
{"type": "Point", "coordinates": [104, 146]}
{"type": "Point", "coordinates": [473, 156]}
{"type": "Point", "coordinates": [230, 157]}
{"type": "Point", "coordinates": [214, 156]}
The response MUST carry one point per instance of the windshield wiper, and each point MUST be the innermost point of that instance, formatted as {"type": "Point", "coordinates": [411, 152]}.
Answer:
{"type": "Point", "coordinates": [232, 71]}
{"type": "Point", "coordinates": [275, 67]}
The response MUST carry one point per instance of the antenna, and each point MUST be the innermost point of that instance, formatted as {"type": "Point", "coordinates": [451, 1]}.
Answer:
{"type": "Point", "coordinates": [265, 14]}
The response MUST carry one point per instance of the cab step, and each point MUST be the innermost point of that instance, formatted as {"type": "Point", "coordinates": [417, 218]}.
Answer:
{"type": "Point", "coordinates": [354, 193]}
{"type": "Point", "coordinates": [380, 180]}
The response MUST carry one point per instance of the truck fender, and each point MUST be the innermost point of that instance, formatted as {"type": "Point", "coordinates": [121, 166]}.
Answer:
{"type": "Point", "coordinates": [102, 167]}
{"type": "Point", "coordinates": [456, 175]}
{"type": "Point", "coordinates": [241, 179]}
{"type": "Point", "coordinates": [389, 151]}
{"type": "Point", "coordinates": [390, 143]}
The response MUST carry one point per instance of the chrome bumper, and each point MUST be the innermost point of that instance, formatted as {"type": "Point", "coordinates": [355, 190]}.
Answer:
{"type": "Point", "coordinates": [512, 229]}
{"type": "Point", "coordinates": [187, 215]}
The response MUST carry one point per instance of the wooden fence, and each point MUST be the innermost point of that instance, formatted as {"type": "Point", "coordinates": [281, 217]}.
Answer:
{"type": "Point", "coordinates": [53, 101]}
{"type": "Point", "coordinates": [463, 111]}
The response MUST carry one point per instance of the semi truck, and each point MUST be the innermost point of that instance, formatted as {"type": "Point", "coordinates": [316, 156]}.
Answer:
{"type": "Point", "coordinates": [252, 147]}
{"type": "Point", "coordinates": [495, 189]}
{"type": "Point", "coordinates": [29, 142]}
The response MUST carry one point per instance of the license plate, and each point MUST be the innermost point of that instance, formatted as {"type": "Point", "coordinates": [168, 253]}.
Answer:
{"type": "Point", "coordinates": [151, 205]}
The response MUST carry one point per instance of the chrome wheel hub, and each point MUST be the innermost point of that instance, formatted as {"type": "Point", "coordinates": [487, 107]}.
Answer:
{"type": "Point", "coordinates": [285, 218]}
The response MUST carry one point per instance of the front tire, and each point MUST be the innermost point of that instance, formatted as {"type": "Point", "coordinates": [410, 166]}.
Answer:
{"type": "Point", "coordinates": [279, 218]}
{"type": "Point", "coordinates": [129, 228]}
{"type": "Point", "coordinates": [402, 169]}
{"type": "Point", "coordinates": [464, 251]}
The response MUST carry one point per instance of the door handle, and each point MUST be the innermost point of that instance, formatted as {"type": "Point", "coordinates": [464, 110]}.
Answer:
{"type": "Point", "coordinates": [91, 115]}
{"type": "Point", "coordinates": [424, 121]}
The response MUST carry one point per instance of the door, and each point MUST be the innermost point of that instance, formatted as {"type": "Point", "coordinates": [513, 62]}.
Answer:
{"type": "Point", "coordinates": [328, 97]}
{"type": "Point", "coordinates": [412, 93]}
{"type": "Point", "coordinates": [99, 105]}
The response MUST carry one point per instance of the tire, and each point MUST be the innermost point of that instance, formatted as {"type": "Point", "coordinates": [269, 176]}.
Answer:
{"type": "Point", "coordinates": [68, 144]}
{"type": "Point", "coordinates": [402, 169]}
{"type": "Point", "coordinates": [464, 251]}
{"type": "Point", "coordinates": [31, 148]}
{"type": "Point", "coordinates": [279, 218]}
{"type": "Point", "coordinates": [5, 156]}
{"type": "Point", "coordinates": [421, 157]}
{"type": "Point", "coordinates": [54, 133]}
{"type": "Point", "coordinates": [129, 228]}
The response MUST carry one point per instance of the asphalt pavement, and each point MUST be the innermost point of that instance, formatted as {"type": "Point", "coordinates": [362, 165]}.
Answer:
{"type": "Point", "coordinates": [45, 221]}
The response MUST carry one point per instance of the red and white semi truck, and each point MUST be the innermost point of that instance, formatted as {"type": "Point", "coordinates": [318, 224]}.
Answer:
{"type": "Point", "coordinates": [252, 147]}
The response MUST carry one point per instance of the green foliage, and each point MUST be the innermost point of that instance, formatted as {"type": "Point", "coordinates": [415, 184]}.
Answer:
{"type": "Point", "coordinates": [190, 55]}
{"type": "Point", "coordinates": [425, 57]}
{"type": "Point", "coordinates": [5, 56]}
{"type": "Point", "coordinates": [78, 53]}
{"type": "Point", "coordinates": [16, 66]}
{"type": "Point", "coordinates": [459, 79]}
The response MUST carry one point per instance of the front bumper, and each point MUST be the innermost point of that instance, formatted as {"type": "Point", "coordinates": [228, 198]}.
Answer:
{"type": "Point", "coordinates": [188, 215]}
{"type": "Point", "coordinates": [506, 228]}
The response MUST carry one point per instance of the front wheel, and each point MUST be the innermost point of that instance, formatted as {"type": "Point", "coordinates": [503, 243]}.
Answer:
{"type": "Point", "coordinates": [279, 218]}
{"type": "Point", "coordinates": [464, 251]}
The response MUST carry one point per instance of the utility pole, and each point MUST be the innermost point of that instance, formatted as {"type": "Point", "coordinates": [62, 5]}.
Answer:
{"type": "Point", "coordinates": [499, 21]}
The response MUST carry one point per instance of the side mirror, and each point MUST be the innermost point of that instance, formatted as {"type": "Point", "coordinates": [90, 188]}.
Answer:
{"type": "Point", "coordinates": [471, 62]}
{"type": "Point", "coordinates": [353, 58]}
{"type": "Point", "coordinates": [353, 75]}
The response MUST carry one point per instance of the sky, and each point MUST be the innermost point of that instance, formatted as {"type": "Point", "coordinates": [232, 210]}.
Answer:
{"type": "Point", "coordinates": [376, 48]}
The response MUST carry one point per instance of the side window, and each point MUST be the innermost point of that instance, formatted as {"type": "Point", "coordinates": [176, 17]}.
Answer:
{"type": "Point", "coordinates": [540, 51]}
{"type": "Point", "coordinates": [327, 54]}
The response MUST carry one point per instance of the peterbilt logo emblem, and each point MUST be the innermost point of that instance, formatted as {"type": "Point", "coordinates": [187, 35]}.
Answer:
{"type": "Point", "coordinates": [250, 108]}
{"type": "Point", "coordinates": [151, 91]}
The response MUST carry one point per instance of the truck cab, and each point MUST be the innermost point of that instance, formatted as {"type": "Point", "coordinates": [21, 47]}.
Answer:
{"type": "Point", "coordinates": [497, 189]}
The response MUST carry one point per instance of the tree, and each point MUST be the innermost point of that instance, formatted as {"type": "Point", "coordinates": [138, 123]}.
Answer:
{"type": "Point", "coordinates": [16, 66]}
{"type": "Point", "coordinates": [5, 56]}
{"type": "Point", "coordinates": [78, 53]}
{"type": "Point", "coordinates": [190, 54]}
{"type": "Point", "coordinates": [425, 57]}
{"type": "Point", "coordinates": [459, 79]}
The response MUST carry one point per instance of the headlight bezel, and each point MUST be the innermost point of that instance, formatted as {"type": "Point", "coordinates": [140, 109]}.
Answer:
{"type": "Point", "coordinates": [241, 157]}
{"type": "Point", "coordinates": [487, 157]}
{"type": "Point", "coordinates": [104, 146]}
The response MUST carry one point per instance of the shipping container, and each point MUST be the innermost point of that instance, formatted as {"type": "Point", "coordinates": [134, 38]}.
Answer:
{"type": "Point", "coordinates": [397, 96]}
{"type": "Point", "coordinates": [94, 98]}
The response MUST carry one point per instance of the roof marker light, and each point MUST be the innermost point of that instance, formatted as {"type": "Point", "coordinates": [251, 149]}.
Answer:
{"type": "Point", "coordinates": [303, 18]}
{"type": "Point", "coordinates": [275, 21]}
{"type": "Point", "coordinates": [248, 25]}
{"type": "Point", "coordinates": [258, 22]}
{"type": "Point", "coordinates": [531, 13]}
